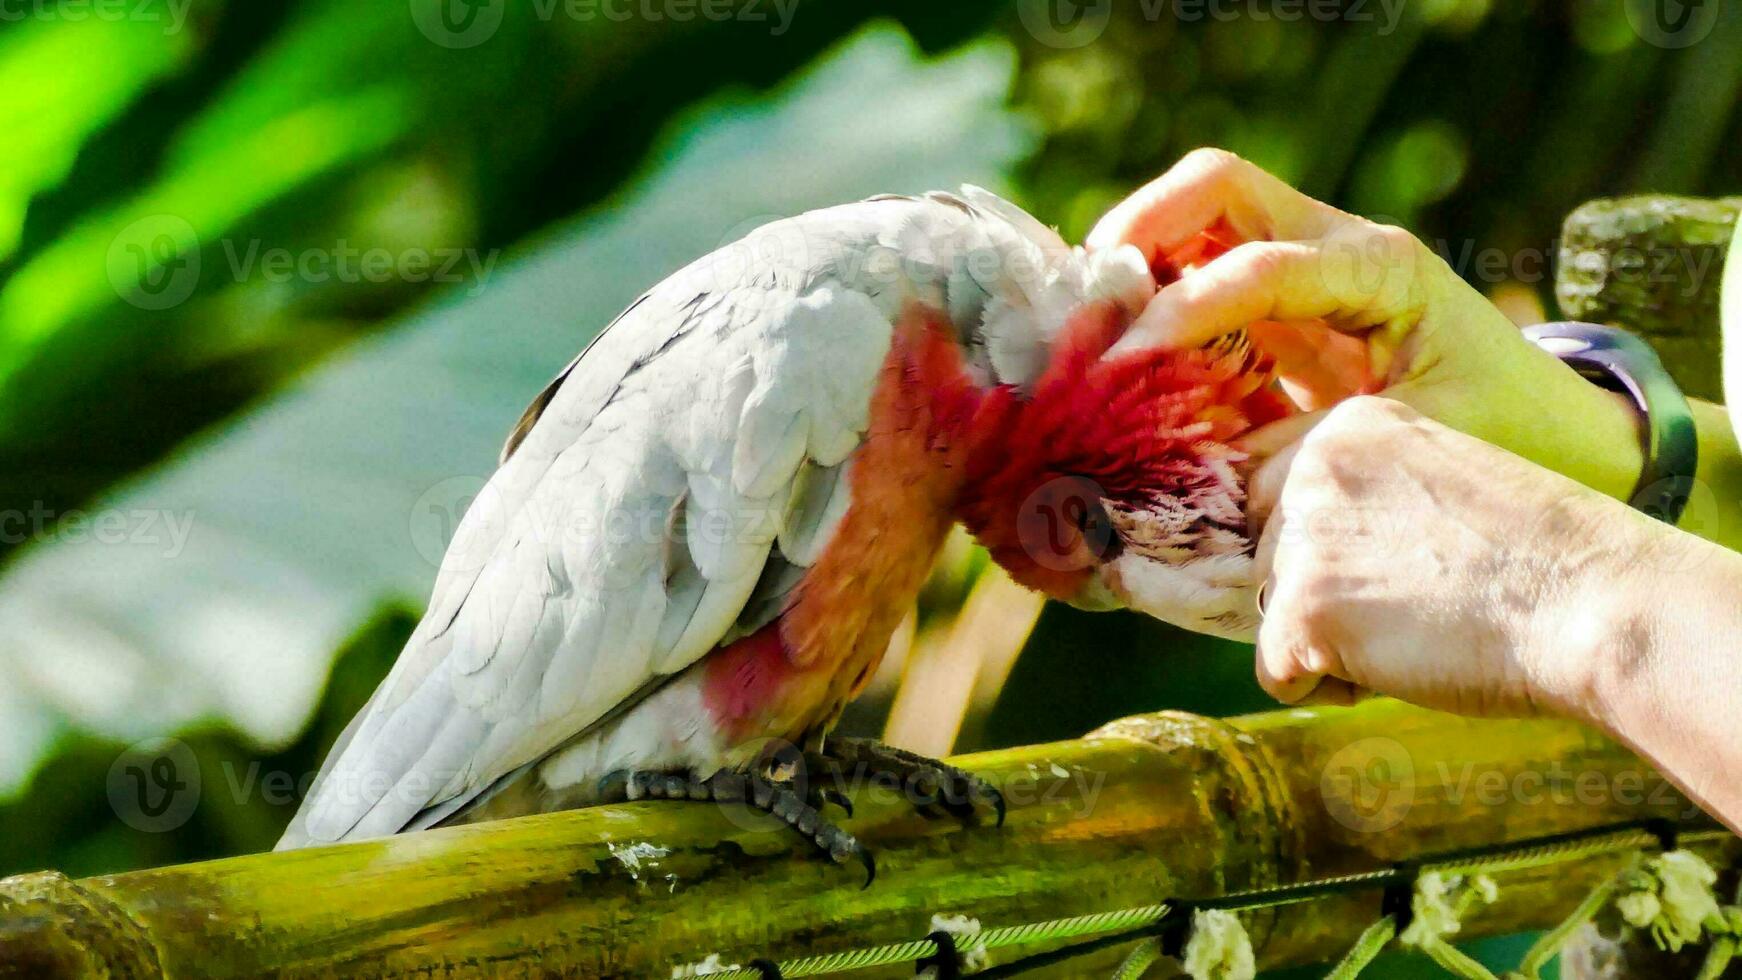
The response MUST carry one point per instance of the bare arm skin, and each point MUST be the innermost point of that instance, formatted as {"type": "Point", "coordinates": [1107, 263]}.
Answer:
{"type": "Point", "coordinates": [1461, 577]}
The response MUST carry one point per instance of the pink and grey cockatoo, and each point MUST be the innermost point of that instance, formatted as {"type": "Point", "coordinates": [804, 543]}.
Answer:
{"type": "Point", "coordinates": [703, 533]}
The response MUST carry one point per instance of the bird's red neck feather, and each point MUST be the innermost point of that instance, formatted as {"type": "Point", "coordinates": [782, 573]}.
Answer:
{"type": "Point", "coordinates": [1120, 428]}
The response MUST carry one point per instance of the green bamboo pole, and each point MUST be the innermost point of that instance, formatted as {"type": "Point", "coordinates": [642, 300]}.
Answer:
{"type": "Point", "coordinates": [1150, 808]}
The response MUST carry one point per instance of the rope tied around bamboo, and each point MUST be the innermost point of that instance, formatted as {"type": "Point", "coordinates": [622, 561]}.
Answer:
{"type": "Point", "coordinates": [1669, 896]}
{"type": "Point", "coordinates": [1668, 893]}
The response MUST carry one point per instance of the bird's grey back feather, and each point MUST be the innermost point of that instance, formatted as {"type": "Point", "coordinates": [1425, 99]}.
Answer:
{"type": "Point", "coordinates": [730, 396]}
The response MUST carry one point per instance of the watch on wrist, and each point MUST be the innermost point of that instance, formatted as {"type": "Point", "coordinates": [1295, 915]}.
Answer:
{"type": "Point", "coordinates": [1619, 361]}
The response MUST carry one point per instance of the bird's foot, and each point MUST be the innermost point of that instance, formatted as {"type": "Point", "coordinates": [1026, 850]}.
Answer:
{"type": "Point", "coordinates": [930, 785]}
{"type": "Point", "coordinates": [800, 810]}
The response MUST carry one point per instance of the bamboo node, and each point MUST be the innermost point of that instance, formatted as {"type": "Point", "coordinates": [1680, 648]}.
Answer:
{"type": "Point", "coordinates": [71, 931]}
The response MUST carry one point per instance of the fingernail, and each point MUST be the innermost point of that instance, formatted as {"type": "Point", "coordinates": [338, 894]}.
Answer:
{"type": "Point", "coordinates": [1154, 329]}
{"type": "Point", "coordinates": [1299, 689]}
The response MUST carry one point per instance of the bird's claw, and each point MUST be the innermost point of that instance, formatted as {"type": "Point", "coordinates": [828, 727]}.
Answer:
{"type": "Point", "coordinates": [824, 796]}
{"type": "Point", "coordinates": [841, 845]}
{"type": "Point", "coordinates": [929, 785]}
{"type": "Point", "coordinates": [800, 812]}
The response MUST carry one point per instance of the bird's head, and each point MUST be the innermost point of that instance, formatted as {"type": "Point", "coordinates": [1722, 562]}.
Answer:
{"type": "Point", "coordinates": [1113, 482]}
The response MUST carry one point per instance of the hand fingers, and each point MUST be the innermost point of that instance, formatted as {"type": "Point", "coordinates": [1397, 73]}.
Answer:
{"type": "Point", "coordinates": [1318, 366]}
{"type": "Point", "coordinates": [1267, 441]}
{"type": "Point", "coordinates": [1293, 669]}
{"type": "Point", "coordinates": [1294, 672]}
{"type": "Point", "coordinates": [1354, 285]}
{"type": "Point", "coordinates": [1264, 486]}
{"type": "Point", "coordinates": [1335, 692]}
{"type": "Point", "coordinates": [1205, 187]}
{"type": "Point", "coordinates": [1282, 676]}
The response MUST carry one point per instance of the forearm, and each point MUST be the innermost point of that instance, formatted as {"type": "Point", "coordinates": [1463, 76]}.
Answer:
{"type": "Point", "coordinates": [1665, 671]}
{"type": "Point", "coordinates": [1599, 445]}
{"type": "Point", "coordinates": [1715, 509]}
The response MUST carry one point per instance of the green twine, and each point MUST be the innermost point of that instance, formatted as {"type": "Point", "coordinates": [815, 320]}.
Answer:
{"type": "Point", "coordinates": [1139, 960]}
{"type": "Point", "coordinates": [1725, 947]}
{"type": "Point", "coordinates": [1548, 946]}
{"type": "Point", "coordinates": [1367, 948]}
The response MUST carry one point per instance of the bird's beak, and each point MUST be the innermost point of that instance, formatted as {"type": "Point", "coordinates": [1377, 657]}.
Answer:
{"type": "Point", "coordinates": [1096, 595]}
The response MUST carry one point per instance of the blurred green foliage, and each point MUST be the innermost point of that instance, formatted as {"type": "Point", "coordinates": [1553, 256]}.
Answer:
{"type": "Point", "coordinates": [301, 123]}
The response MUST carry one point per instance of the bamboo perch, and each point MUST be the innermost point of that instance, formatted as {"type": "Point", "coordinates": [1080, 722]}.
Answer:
{"type": "Point", "coordinates": [1653, 264]}
{"type": "Point", "coordinates": [1150, 808]}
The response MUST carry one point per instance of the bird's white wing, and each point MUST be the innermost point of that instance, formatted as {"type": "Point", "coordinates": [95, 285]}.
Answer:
{"type": "Point", "coordinates": [661, 497]}
{"type": "Point", "coordinates": [620, 541]}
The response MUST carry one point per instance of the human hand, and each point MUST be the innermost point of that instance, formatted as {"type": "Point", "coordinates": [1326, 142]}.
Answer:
{"type": "Point", "coordinates": [1403, 557]}
{"type": "Point", "coordinates": [1346, 306]}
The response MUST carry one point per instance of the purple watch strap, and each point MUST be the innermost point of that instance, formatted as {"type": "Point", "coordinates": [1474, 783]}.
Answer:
{"type": "Point", "coordinates": [1620, 361]}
